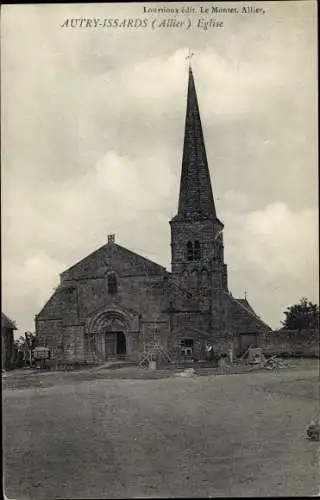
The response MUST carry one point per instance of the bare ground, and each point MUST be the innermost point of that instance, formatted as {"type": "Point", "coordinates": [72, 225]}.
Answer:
{"type": "Point", "coordinates": [113, 434]}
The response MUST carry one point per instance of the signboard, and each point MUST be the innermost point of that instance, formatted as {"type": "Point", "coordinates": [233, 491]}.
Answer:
{"type": "Point", "coordinates": [41, 353]}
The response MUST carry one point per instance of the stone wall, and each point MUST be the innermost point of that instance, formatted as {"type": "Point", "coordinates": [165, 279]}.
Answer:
{"type": "Point", "coordinates": [76, 317]}
{"type": "Point", "coordinates": [303, 343]}
{"type": "Point", "coordinates": [49, 333]}
{"type": "Point", "coordinates": [64, 323]}
{"type": "Point", "coordinates": [137, 293]}
{"type": "Point", "coordinates": [7, 348]}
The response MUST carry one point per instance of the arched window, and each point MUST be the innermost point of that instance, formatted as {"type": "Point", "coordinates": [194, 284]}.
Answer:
{"type": "Point", "coordinates": [112, 283]}
{"type": "Point", "coordinates": [218, 251]}
{"type": "Point", "coordinates": [189, 250]}
{"type": "Point", "coordinates": [197, 250]}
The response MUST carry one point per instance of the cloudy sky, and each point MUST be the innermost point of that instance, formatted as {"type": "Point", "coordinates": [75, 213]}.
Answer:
{"type": "Point", "coordinates": [92, 131]}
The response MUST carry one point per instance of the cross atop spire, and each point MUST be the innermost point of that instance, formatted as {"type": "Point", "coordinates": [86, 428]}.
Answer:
{"type": "Point", "coordinates": [196, 198]}
{"type": "Point", "coordinates": [189, 56]}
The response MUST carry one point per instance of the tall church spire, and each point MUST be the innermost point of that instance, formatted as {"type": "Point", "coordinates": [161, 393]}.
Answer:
{"type": "Point", "coordinates": [196, 232]}
{"type": "Point", "coordinates": [196, 198]}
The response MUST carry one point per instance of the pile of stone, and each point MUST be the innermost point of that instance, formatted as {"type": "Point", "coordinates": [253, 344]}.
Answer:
{"type": "Point", "coordinates": [189, 372]}
{"type": "Point", "coordinates": [276, 363]}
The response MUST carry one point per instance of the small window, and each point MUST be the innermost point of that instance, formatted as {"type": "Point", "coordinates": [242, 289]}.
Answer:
{"type": "Point", "coordinates": [186, 347]}
{"type": "Point", "coordinates": [189, 250]}
{"type": "Point", "coordinates": [197, 250]}
{"type": "Point", "coordinates": [112, 283]}
{"type": "Point", "coordinates": [218, 250]}
{"type": "Point", "coordinates": [187, 342]}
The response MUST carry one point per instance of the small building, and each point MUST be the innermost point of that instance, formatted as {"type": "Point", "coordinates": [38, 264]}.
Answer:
{"type": "Point", "coordinates": [7, 342]}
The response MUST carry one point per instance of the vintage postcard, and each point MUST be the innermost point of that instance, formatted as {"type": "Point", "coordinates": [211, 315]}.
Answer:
{"type": "Point", "coordinates": [160, 317]}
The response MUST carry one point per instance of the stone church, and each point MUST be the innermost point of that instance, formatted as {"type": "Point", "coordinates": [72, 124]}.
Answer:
{"type": "Point", "coordinates": [114, 301]}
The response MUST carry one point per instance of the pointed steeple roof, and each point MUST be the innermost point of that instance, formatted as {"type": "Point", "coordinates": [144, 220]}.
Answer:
{"type": "Point", "coordinates": [196, 198]}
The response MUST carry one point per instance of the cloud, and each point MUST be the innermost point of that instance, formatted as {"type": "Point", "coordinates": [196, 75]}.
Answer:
{"type": "Point", "coordinates": [273, 254]}
{"type": "Point", "coordinates": [92, 143]}
{"type": "Point", "coordinates": [28, 286]}
{"type": "Point", "coordinates": [286, 243]}
{"type": "Point", "coordinates": [275, 241]}
{"type": "Point", "coordinates": [65, 222]}
{"type": "Point", "coordinates": [116, 188]}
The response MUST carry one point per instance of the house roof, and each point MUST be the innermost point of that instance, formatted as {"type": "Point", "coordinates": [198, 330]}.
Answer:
{"type": "Point", "coordinates": [147, 261]}
{"type": "Point", "coordinates": [117, 250]}
{"type": "Point", "coordinates": [7, 322]}
{"type": "Point", "coordinates": [246, 304]}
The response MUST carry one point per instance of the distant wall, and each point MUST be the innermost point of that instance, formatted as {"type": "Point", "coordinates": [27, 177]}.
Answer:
{"type": "Point", "coordinates": [7, 348]}
{"type": "Point", "coordinates": [292, 343]}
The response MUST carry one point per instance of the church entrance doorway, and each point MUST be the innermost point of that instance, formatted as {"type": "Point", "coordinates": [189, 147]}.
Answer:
{"type": "Point", "coordinates": [121, 343]}
{"type": "Point", "coordinates": [115, 344]}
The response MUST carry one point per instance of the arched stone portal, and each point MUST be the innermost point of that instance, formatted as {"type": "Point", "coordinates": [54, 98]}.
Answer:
{"type": "Point", "coordinates": [108, 333]}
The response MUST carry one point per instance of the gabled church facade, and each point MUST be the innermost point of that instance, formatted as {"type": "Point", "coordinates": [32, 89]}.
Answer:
{"type": "Point", "coordinates": [114, 301]}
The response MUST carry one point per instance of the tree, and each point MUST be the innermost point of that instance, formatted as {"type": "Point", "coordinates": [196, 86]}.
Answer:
{"type": "Point", "coordinates": [301, 316]}
{"type": "Point", "coordinates": [23, 347]}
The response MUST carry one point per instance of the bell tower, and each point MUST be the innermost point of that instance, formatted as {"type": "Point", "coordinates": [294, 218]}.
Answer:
{"type": "Point", "coordinates": [196, 231]}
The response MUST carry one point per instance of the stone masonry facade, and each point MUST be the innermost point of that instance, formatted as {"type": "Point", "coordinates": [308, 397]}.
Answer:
{"type": "Point", "coordinates": [114, 301]}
